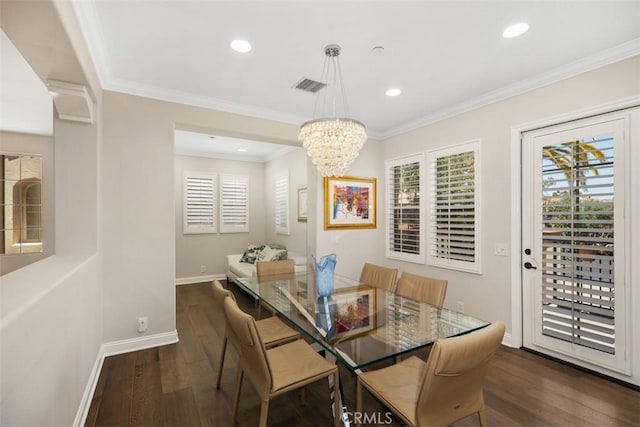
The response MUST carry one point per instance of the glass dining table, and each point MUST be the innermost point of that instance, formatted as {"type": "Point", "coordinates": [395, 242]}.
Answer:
{"type": "Point", "coordinates": [358, 324]}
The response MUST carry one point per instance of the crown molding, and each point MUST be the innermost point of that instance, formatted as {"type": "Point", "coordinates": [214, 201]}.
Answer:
{"type": "Point", "coordinates": [599, 60]}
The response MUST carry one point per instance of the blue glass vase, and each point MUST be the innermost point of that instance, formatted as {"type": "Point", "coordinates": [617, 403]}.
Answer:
{"type": "Point", "coordinates": [325, 269]}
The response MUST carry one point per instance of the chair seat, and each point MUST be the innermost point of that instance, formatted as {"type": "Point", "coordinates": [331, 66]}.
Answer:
{"type": "Point", "coordinates": [274, 331]}
{"type": "Point", "coordinates": [296, 363]}
{"type": "Point", "coordinates": [398, 386]}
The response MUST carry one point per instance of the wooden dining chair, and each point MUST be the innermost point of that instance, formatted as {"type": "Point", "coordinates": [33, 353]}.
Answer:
{"type": "Point", "coordinates": [277, 370]}
{"type": "Point", "coordinates": [445, 388]}
{"type": "Point", "coordinates": [379, 277]}
{"type": "Point", "coordinates": [272, 330]}
{"type": "Point", "coordinates": [421, 288]}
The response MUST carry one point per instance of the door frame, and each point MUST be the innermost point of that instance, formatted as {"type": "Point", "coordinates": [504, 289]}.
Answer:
{"type": "Point", "coordinates": [516, 209]}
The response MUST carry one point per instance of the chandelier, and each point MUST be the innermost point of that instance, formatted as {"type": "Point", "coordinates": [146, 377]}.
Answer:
{"type": "Point", "coordinates": [333, 143]}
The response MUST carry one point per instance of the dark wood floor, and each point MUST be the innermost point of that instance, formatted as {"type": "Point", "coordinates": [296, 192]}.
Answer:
{"type": "Point", "coordinates": [174, 385]}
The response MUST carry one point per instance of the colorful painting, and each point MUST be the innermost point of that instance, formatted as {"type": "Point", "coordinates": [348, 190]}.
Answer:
{"type": "Point", "coordinates": [350, 202]}
{"type": "Point", "coordinates": [354, 311]}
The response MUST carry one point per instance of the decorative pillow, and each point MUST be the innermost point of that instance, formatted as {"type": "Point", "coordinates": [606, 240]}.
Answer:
{"type": "Point", "coordinates": [271, 254]}
{"type": "Point", "coordinates": [251, 253]}
{"type": "Point", "coordinates": [276, 246]}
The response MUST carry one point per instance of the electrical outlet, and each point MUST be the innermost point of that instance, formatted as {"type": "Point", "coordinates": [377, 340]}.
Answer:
{"type": "Point", "coordinates": [460, 307]}
{"type": "Point", "coordinates": [500, 249]}
{"type": "Point", "coordinates": [203, 269]}
{"type": "Point", "coordinates": [143, 322]}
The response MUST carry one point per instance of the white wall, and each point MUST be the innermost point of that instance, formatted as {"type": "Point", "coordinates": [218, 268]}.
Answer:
{"type": "Point", "coordinates": [210, 250]}
{"type": "Point", "coordinates": [353, 247]}
{"type": "Point", "coordinates": [51, 310]}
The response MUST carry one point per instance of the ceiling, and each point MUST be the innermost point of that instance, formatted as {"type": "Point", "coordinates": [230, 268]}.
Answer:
{"type": "Point", "coordinates": [445, 56]}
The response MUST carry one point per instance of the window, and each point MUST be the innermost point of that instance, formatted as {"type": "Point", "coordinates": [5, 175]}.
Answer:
{"type": "Point", "coordinates": [453, 230]}
{"type": "Point", "coordinates": [234, 203]}
{"type": "Point", "coordinates": [199, 203]}
{"type": "Point", "coordinates": [282, 203]}
{"type": "Point", "coordinates": [21, 212]}
{"type": "Point", "coordinates": [405, 209]}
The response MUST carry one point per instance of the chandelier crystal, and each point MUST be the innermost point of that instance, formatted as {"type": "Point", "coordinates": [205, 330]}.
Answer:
{"type": "Point", "coordinates": [333, 143]}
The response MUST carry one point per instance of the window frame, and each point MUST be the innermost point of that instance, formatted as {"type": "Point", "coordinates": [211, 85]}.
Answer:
{"type": "Point", "coordinates": [446, 262]}
{"type": "Point", "coordinates": [392, 207]}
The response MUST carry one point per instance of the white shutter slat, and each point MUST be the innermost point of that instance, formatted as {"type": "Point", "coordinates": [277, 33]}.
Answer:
{"type": "Point", "coordinates": [234, 203]}
{"type": "Point", "coordinates": [199, 203]}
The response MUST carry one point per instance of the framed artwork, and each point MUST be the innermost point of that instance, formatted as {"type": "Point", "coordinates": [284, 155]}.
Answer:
{"type": "Point", "coordinates": [349, 202]}
{"type": "Point", "coordinates": [354, 311]}
{"type": "Point", "coordinates": [302, 204]}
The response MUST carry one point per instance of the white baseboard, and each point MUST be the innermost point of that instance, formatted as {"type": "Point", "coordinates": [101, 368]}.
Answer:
{"type": "Point", "coordinates": [141, 343]}
{"type": "Point", "coordinates": [507, 340]}
{"type": "Point", "coordinates": [111, 349]}
{"type": "Point", "coordinates": [87, 397]}
{"type": "Point", "coordinates": [200, 279]}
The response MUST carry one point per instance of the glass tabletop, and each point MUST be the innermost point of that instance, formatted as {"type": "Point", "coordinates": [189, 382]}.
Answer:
{"type": "Point", "coordinates": [359, 324]}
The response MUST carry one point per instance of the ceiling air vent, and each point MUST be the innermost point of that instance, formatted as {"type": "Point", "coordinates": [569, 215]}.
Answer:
{"type": "Point", "coordinates": [309, 85]}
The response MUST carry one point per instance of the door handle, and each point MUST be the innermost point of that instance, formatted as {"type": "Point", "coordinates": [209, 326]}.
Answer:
{"type": "Point", "coordinates": [529, 266]}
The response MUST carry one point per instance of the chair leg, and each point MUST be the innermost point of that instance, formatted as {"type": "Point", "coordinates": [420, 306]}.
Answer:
{"type": "Point", "coordinates": [358, 401]}
{"type": "Point", "coordinates": [236, 399]}
{"type": "Point", "coordinates": [337, 410]}
{"type": "Point", "coordinates": [303, 396]}
{"type": "Point", "coordinates": [221, 364]}
{"type": "Point", "coordinates": [264, 411]}
{"type": "Point", "coordinates": [482, 417]}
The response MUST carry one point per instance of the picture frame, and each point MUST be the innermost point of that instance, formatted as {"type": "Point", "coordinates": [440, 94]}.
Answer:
{"type": "Point", "coordinates": [349, 202]}
{"type": "Point", "coordinates": [303, 197]}
{"type": "Point", "coordinates": [354, 311]}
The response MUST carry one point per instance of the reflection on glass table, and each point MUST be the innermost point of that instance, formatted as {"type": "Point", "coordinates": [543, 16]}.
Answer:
{"type": "Point", "coordinates": [360, 325]}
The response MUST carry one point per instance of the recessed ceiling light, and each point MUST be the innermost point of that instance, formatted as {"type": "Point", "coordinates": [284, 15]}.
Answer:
{"type": "Point", "coordinates": [393, 92]}
{"type": "Point", "coordinates": [515, 30]}
{"type": "Point", "coordinates": [242, 150]}
{"type": "Point", "coordinates": [241, 46]}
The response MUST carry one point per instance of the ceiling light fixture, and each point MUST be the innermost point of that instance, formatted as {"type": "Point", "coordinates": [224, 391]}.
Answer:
{"type": "Point", "coordinates": [241, 46]}
{"type": "Point", "coordinates": [332, 143]}
{"type": "Point", "coordinates": [515, 30]}
{"type": "Point", "coordinates": [393, 92]}
{"type": "Point", "coordinates": [242, 150]}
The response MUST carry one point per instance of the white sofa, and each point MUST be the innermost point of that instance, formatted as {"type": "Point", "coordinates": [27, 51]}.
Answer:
{"type": "Point", "coordinates": [236, 269]}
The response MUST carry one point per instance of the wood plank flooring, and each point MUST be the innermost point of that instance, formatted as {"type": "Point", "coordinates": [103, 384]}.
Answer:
{"type": "Point", "coordinates": [174, 385]}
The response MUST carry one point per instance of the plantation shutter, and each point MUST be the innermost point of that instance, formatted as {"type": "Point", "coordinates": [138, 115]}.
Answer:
{"type": "Point", "coordinates": [453, 218]}
{"type": "Point", "coordinates": [578, 243]}
{"type": "Point", "coordinates": [282, 203]}
{"type": "Point", "coordinates": [404, 209]}
{"type": "Point", "coordinates": [199, 203]}
{"type": "Point", "coordinates": [234, 204]}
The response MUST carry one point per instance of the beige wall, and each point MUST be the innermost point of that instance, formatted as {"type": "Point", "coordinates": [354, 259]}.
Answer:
{"type": "Point", "coordinates": [139, 204]}
{"type": "Point", "coordinates": [296, 163]}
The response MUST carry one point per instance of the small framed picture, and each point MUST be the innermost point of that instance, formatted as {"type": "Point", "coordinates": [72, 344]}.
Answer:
{"type": "Point", "coordinates": [349, 202]}
{"type": "Point", "coordinates": [302, 204]}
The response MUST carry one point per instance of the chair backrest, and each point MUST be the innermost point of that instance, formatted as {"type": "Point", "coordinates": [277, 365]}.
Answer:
{"type": "Point", "coordinates": [379, 277]}
{"type": "Point", "coordinates": [220, 293]}
{"type": "Point", "coordinates": [452, 387]}
{"type": "Point", "coordinates": [425, 289]}
{"type": "Point", "coordinates": [253, 355]}
{"type": "Point", "coordinates": [275, 270]}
